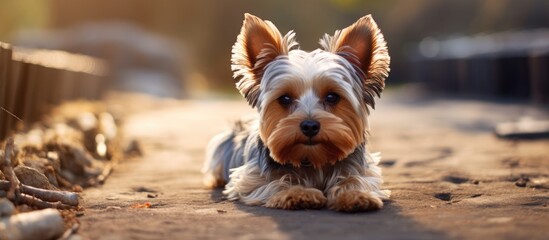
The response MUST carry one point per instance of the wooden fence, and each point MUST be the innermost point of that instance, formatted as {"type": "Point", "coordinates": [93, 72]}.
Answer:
{"type": "Point", "coordinates": [34, 80]}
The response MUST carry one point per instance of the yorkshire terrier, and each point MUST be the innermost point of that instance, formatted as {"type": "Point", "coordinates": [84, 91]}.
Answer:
{"type": "Point", "coordinates": [306, 150]}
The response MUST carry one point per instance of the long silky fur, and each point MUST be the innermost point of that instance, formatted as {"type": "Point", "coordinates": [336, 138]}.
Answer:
{"type": "Point", "coordinates": [240, 160]}
{"type": "Point", "coordinates": [252, 176]}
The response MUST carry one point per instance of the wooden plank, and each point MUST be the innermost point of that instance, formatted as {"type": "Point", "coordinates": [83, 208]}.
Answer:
{"type": "Point", "coordinates": [69, 86]}
{"type": "Point", "coordinates": [30, 98]}
{"type": "Point", "coordinates": [3, 84]}
{"type": "Point", "coordinates": [92, 86]}
{"type": "Point", "coordinates": [6, 72]}
{"type": "Point", "coordinates": [53, 88]}
{"type": "Point", "coordinates": [34, 80]}
{"type": "Point", "coordinates": [41, 88]}
{"type": "Point", "coordinates": [17, 85]}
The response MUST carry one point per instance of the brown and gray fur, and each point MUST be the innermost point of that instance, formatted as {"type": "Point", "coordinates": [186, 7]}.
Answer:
{"type": "Point", "coordinates": [268, 160]}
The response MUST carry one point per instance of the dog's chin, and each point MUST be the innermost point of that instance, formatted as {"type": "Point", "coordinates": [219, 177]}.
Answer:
{"type": "Point", "coordinates": [310, 142]}
{"type": "Point", "coordinates": [309, 153]}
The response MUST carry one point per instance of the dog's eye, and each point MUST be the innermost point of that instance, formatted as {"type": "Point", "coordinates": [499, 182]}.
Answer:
{"type": "Point", "coordinates": [331, 98]}
{"type": "Point", "coordinates": [285, 100]}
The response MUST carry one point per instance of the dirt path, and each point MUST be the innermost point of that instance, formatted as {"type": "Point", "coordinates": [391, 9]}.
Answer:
{"type": "Point", "coordinates": [450, 178]}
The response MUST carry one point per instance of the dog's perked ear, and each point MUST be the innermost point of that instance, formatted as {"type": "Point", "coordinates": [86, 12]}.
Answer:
{"type": "Point", "coordinates": [363, 45]}
{"type": "Point", "coordinates": [258, 43]}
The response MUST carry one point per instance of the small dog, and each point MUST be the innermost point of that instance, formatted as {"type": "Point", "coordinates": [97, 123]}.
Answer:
{"type": "Point", "coordinates": [307, 148]}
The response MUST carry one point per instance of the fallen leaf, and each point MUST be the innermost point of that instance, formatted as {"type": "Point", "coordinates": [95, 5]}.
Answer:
{"type": "Point", "coordinates": [143, 205]}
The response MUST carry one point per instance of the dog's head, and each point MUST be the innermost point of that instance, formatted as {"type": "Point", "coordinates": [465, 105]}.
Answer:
{"type": "Point", "coordinates": [313, 106]}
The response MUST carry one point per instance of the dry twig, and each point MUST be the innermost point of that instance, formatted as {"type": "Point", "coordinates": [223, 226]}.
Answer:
{"type": "Point", "coordinates": [19, 193]}
{"type": "Point", "coordinates": [7, 169]}
{"type": "Point", "coordinates": [41, 204]}
{"type": "Point", "coordinates": [64, 197]}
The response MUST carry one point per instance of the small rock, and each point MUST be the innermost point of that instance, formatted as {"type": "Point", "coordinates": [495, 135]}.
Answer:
{"type": "Point", "coordinates": [110, 208]}
{"type": "Point", "coordinates": [6, 208]}
{"type": "Point", "coordinates": [538, 183]}
{"type": "Point", "coordinates": [152, 195]}
{"type": "Point", "coordinates": [36, 162]}
{"type": "Point", "coordinates": [456, 179]}
{"type": "Point", "coordinates": [443, 196]}
{"type": "Point", "coordinates": [521, 182]}
{"type": "Point", "coordinates": [500, 219]}
{"type": "Point", "coordinates": [32, 177]}
{"type": "Point", "coordinates": [111, 198]}
{"type": "Point", "coordinates": [143, 189]}
{"type": "Point", "coordinates": [134, 149]}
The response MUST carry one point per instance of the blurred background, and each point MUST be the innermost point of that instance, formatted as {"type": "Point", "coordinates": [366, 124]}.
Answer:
{"type": "Point", "coordinates": [461, 70]}
{"type": "Point", "coordinates": [181, 48]}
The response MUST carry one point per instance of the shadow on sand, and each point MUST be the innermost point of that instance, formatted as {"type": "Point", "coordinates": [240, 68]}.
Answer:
{"type": "Point", "coordinates": [387, 223]}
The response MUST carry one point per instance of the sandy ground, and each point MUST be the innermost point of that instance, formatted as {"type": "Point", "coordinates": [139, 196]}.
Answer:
{"type": "Point", "coordinates": [450, 178]}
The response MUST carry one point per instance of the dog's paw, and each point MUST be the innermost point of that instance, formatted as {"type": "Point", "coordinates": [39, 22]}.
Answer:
{"type": "Point", "coordinates": [213, 182]}
{"type": "Point", "coordinates": [356, 201]}
{"type": "Point", "coordinates": [297, 197]}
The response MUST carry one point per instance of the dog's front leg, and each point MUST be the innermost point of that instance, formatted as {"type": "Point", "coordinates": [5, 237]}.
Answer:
{"type": "Point", "coordinates": [297, 197]}
{"type": "Point", "coordinates": [355, 193]}
{"type": "Point", "coordinates": [254, 189]}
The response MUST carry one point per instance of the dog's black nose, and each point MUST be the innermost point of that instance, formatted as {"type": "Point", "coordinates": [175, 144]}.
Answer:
{"type": "Point", "coordinates": [310, 128]}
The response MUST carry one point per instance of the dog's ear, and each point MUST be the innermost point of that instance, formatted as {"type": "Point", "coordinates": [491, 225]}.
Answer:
{"type": "Point", "coordinates": [258, 43]}
{"type": "Point", "coordinates": [363, 45]}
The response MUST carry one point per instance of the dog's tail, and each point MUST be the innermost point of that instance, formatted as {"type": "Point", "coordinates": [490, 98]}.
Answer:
{"type": "Point", "coordinates": [225, 151]}
{"type": "Point", "coordinates": [219, 150]}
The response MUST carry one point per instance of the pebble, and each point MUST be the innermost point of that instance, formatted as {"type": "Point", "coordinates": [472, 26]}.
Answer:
{"type": "Point", "coordinates": [6, 208]}
{"type": "Point", "coordinates": [111, 208]}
